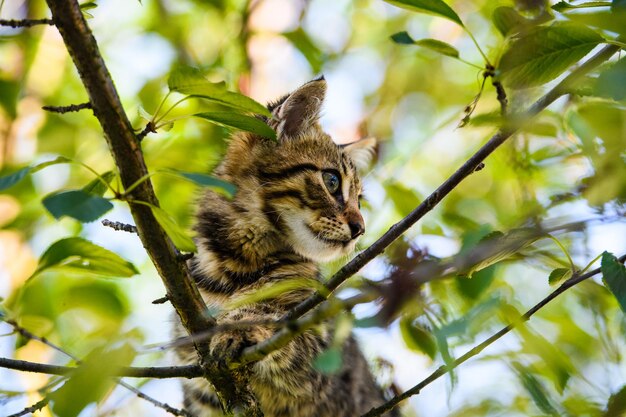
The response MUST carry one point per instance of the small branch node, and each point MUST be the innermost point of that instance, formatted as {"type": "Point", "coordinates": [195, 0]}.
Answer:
{"type": "Point", "coordinates": [150, 128]}
{"type": "Point", "coordinates": [68, 109]}
{"type": "Point", "coordinates": [479, 167]}
{"type": "Point", "coordinates": [161, 300]}
{"type": "Point", "coordinates": [120, 227]}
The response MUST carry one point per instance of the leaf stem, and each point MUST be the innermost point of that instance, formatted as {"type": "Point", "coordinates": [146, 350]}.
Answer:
{"type": "Point", "coordinates": [569, 258]}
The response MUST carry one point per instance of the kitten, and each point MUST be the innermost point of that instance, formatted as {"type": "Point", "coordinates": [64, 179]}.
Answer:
{"type": "Point", "coordinates": [297, 204]}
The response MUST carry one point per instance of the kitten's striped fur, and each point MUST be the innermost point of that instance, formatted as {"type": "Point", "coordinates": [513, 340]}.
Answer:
{"type": "Point", "coordinates": [283, 219]}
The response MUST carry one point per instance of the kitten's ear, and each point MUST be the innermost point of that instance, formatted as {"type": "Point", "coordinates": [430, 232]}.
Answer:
{"type": "Point", "coordinates": [300, 110]}
{"type": "Point", "coordinates": [361, 152]}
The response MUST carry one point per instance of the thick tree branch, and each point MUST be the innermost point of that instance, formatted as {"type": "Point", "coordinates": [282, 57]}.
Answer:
{"type": "Point", "coordinates": [479, 348]}
{"type": "Point", "coordinates": [161, 372]}
{"type": "Point", "coordinates": [448, 185]}
{"type": "Point", "coordinates": [125, 148]}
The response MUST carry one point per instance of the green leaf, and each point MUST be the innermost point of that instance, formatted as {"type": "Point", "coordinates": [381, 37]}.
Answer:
{"type": "Point", "coordinates": [616, 406]}
{"type": "Point", "coordinates": [563, 6]}
{"type": "Point", "coordinates": [508, 21]}
{"type": "Point", "coordinates": [558, 275]}
{"type": "Point", "coordinates": [612, 82]}
{"type": "Point", "coordinates": [239, 121]}
{"type": "Point", "coordinates": [91, 380]}
{"type": "Point", "coordinates": [12, 179]}
{"type": "Point", "coordinates": [544, 53]}
{"type": "Point", "coordinates": [432, 44]}
{"type": "Point", "coordinates": [434, 7]}
{"type": "Point", "coordinates": [301, 40]}
{"type": "Point", "coordinates": [329, 361]}
{"type": "Point", "coordinates": [418, 339]}
{"type": "Point", "coordinates": [77, 204]}
{"type": "Point", "coordinates": [9, 93]}
{"type": "Point", "coordinates": [88, 5]}
{"type": "Point", "coordinates": [223, 187]}
{"type": "Point", "coordinates": [403, 198]}
{"type": "Point", "coordinates": [190, 81]}
{"type": "Point", "coordinates": [75, 254]}
{"type": "Point", "coordinates": [480, 281]}
{"type": "Point", "coordinates": [181, 239]}
{"type": "Point", "coordinates": [612, 20]}
{"type": "Point", "coordinates": [614, 276]}
{"type": "Point", "coordinates": [402, 38]}
{"type": "Point", "coordinates": [537, 391]}
{"type": "Point", "coordinates": [97, 186]}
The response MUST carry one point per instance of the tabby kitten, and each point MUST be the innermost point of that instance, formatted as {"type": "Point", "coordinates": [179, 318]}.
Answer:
{"type": "Point", "coordinates": [297, 203]}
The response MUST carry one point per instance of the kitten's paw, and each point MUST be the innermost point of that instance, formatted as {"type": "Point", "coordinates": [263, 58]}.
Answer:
{"type": "Point", "coordinates": [226, 347]}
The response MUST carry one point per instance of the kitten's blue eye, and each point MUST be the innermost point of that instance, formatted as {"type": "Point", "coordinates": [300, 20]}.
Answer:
{"type": "Point", "coordinates": [331, 180]}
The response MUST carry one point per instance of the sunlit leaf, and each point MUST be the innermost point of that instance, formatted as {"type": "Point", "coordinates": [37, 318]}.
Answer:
{"type": "Point", "coordinates": [564, 6]}
{"type": "Point", "coordinates": [180, 237]}
{"type": "Point", "coordinates": [612, 82]}
{"type": "Point", "coordinates": [434, 7]}
{"type": "Point", "coordinates": [12, 179]}
{"type": "Point", "coordinates": [190, 81]}
{"type": "Point", "coordinates": [558, 275]}
{"type": "Point", "coordinates": [614, 276]}
{"type": "Point", "coordinates": [91, 380]}
{"type": "Point", "coordinates": [274, 289]}
{"type": "Point", "coordinates": [239, 121]}
{"type": "Point", "coordinates": [76, 254]}
{"type": "Point", "coordinates": [507, 20]}
{"type": "Point", "coordinates": [301, 40]}
{"type": "Point", "coordinates": [544, 53]}
{"type": "Point", "coordinates": [209, 181]}
{"type": "Point", "coordinates": [613, 21]}
{"type": "Point", "coordinates": [329, 361]}
{"type": "Point", "coordinates": [77, 204]}
{"type": "Point", "coordinates": [418, 339]}
{"type": "Point", "coordinates": [432, 44]}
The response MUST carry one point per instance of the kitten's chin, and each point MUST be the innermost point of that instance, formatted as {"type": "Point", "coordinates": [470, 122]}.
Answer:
{"type": "Point", "coordinates": [309, 245]}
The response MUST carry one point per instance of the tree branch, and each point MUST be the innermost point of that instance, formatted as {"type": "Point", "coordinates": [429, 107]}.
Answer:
{"type": "Point", "coordinates": [360, 260]}
{"type": "Point", "coordinates": [25, 23]}
{"type": "Point", "coordinates": [479, 348]}
{"type": "Point", "coordinates": [35, 407]}
{"type": "Point", "coordinates": [125, 148]}
{"type": "Point", "coordinates": [67, 109]}
{"type": "Point", "coordinates": [120, 227]}
{"type": "Point", "coordinates": [160, 372]}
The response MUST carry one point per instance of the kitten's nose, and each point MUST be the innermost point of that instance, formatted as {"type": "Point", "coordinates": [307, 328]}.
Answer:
{"type": "Point", "coordinates": [357, 228]}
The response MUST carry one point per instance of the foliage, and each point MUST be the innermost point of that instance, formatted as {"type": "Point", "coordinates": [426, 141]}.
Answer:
{"type": "Point", "coordinates": [387, 62]}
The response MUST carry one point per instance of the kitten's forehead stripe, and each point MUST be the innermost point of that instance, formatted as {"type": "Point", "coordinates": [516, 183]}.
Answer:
{"type": "Point", "coordinates": [288, 172]}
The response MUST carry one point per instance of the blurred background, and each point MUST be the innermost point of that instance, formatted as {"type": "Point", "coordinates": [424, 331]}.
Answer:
{"type": "Point", "coordinates": [567, 361]}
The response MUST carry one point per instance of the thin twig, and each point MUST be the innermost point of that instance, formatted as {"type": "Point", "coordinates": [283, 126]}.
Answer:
{"type": "Point", "coordinates": [35, 407]}
{"type": "Point", "coordinates": [447, 186]}
{"type": "Point", "coordinates": [67, 109]}
{"type": "Point", "coordinates": [25, 23]}
{"type": "Point", "coordinates": [120, 227]}
{"type": "Point", "coordinates": [119, 381]}
{"type": "Point", "coordinates": [480, 347]}
{"type": "Point", "coordinates": [164, 406]}
{"type": "Point", "coordinates": [159, 372]}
